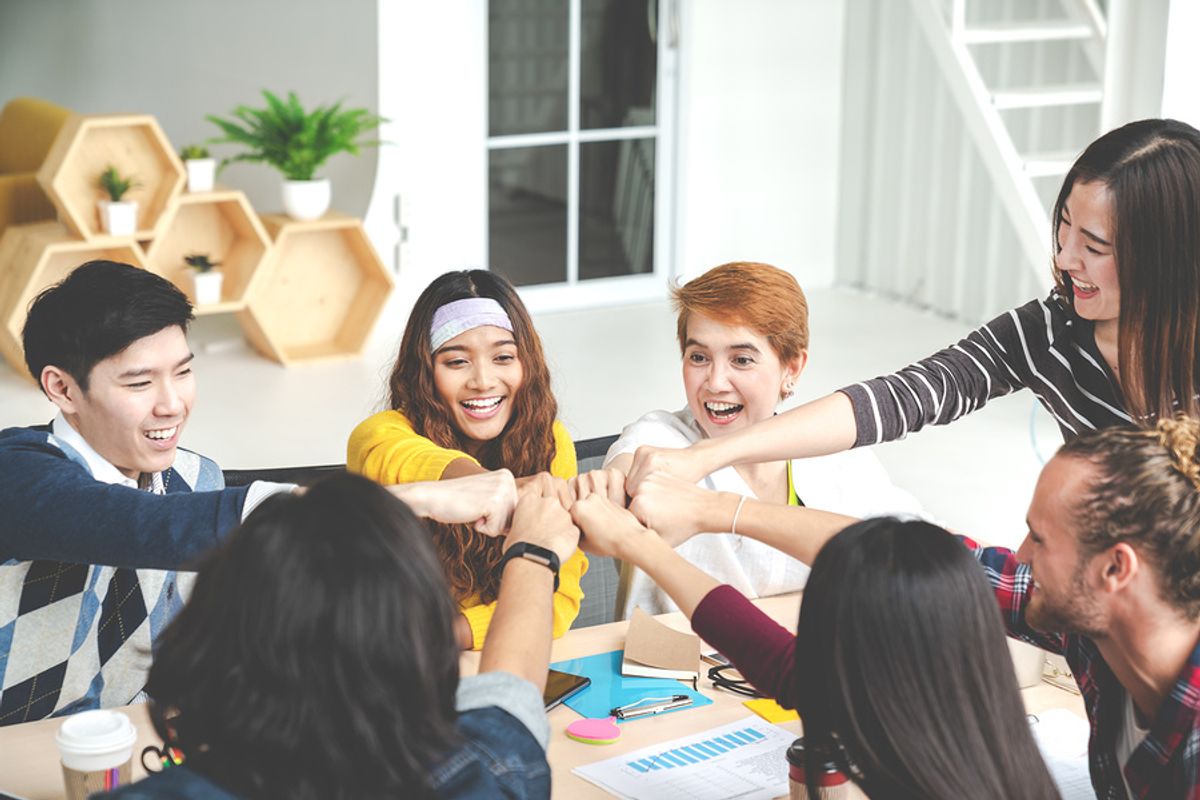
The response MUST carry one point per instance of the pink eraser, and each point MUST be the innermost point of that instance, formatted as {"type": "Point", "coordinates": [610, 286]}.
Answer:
{"type": "Point", "coordinates": [594, 731]}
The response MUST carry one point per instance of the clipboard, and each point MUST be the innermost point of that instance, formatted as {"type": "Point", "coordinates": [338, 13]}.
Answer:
{"type": "Point", "coordinates": [610, 688]}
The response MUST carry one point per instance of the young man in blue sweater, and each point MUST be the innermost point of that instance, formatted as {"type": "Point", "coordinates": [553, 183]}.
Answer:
{"type": "Point", "coordinates": [100, 507]}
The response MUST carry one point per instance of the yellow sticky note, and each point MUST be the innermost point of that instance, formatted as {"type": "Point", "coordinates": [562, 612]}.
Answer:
{"type": "Point", "coordinates": [771, 711]}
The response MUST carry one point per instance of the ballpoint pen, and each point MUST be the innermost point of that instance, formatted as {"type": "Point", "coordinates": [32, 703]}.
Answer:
{"type": "Point", "coordinates": [636, 709]}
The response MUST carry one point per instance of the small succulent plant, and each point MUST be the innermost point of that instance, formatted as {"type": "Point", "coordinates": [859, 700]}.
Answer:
{"type": "Point", "coordinates": [194, 151]}
{"type": "Point", "coordinates": [112, 182]}
{"type": "Point", "coordinates": [201, 262]}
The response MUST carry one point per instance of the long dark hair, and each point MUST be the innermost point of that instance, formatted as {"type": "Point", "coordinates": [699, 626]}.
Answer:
{"type": "Point", "coordinates": [902, 662]}
{"type": "Point", "coordinates": [1152, 170]}
{"type": "Point", "coordinates": [316, 657]}
{"type": "Point", "coordinates": [526, 445]}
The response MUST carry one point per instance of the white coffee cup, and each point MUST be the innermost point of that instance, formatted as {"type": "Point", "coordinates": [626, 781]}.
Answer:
{"type": "Point", "coordinates": [92, 744]}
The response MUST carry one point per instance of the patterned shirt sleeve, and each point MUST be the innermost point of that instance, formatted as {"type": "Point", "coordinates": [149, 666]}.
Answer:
{"type": "Point", "coordinates": [991, 362]}
{"type": "Point", "coordinates": [1010, 581]}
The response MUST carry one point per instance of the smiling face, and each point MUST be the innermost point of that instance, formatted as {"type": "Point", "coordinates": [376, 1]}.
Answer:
{"type": "Point", "coordinates": [1062, 598]}
{"type": "Point", "coordinates": [732, 376]}
{"type": "Point", "coordinates": [136, 403]}
{"type": "Point", "coordinates": [477, 375]}
{"type": "Point", "coordinates": [1085, 241]}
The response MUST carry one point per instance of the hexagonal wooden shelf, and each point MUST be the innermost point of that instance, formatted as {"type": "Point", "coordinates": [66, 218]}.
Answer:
{"type": "Point", "coordinates": [319, 291]}
{"type": "Point", "coordinates": [89, 143]}
{"type": "Point", "coordinates": [33, 257]}
{"type": "Point", "coordinates": [220, 224]}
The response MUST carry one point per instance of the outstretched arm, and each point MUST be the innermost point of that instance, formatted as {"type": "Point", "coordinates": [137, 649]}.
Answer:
{"type": "Point", "coordinates": [679, 510]}
{"type": "Point", "coordinates": [613, 531]}
{"type": "Point", "coordinates": [818, 428]}
{"type": "Point", "coordinates": [763, 651]}
{"type": "Point", "coordinates": [519, 637]}
{"type": "Point", "coordinates": [990, 362]}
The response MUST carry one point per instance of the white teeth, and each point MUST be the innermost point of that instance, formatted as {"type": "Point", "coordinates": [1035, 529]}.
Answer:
{"type": "Point", "coordinates": [483, 403]}
{"type": "Point", "coordinates": [162, 433]}
{"type": "Point", "coordinates": [1087, 287]}
{"type": "Point", "coordinates": [718, 408]}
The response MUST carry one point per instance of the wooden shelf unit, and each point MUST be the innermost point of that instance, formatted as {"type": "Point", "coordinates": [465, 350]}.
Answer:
{"type": "Point", "coordinates": [220, 224]}
{"type": "Point", "coordinates": [318, 292]}
{"type": "Point", "coordinates": [89, 143]}
{"type": "Point", "coordinates": [34, 257]}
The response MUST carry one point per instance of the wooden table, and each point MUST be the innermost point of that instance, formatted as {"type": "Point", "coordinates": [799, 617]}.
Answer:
{"type": "Point", "coordinates": [29, 759]}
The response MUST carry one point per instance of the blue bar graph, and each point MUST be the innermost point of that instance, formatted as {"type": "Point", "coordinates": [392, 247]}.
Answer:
{"type": "Point", "coordinates": [697, 752]}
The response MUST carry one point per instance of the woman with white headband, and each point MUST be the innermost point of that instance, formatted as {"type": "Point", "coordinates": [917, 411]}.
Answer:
{"type": "Point", "coordinates": [469, 393]}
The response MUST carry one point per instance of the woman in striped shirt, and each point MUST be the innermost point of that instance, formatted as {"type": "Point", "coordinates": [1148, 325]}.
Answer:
{"type": "Point", "coordinates": [1108, 347]}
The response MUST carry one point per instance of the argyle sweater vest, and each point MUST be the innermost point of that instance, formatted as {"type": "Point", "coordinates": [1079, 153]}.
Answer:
{"type": "Point", "coordinates": [75, 636]}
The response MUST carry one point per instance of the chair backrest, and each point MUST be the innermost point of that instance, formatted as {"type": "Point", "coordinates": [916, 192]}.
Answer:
{"type": "Point", "coordinates": [599, 584]}
{"type": "Point", "coordinates": [28, 127]}
{"type": "Point", "coordinates": [304, 476]}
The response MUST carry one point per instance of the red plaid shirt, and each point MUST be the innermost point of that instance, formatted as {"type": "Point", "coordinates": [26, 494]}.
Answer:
{"type": "Point", "coordinates": [1165, 764]}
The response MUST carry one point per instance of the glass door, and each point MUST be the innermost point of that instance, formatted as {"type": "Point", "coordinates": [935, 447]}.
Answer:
{"type": "Point", "coordinates": [579, 148]}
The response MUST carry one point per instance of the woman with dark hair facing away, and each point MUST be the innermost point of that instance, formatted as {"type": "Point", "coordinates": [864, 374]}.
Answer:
{"type": "Point", "coordinates": [470, 392]}
{"type": "Point", "coordinates": [317, 659]}
{"type": "Point", "coordinates": [1117, 341]}
{"type": "Point", "coordinates": [899, 663]}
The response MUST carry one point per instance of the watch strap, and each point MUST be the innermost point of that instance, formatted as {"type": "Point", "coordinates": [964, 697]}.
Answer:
{"type": "Point", "coordinates": [536, 553]}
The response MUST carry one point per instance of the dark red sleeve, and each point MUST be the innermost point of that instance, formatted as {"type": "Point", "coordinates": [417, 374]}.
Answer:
{"type": "Point", "coordinates": [761, 649]}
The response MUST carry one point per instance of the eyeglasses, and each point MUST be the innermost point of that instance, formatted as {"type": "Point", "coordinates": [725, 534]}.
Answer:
{"type": "Point", "coordinates": [721, 678]}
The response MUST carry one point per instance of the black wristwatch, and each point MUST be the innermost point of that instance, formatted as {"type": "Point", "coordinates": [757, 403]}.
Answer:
{"type": "Point", "coordinates": [535, 553]}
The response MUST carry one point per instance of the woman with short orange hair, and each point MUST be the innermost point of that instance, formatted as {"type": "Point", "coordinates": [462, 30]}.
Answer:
{"type": "Point", "coordinates": [743, 333]}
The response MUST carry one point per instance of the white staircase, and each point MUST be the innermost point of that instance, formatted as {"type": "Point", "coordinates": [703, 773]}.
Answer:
{"type": "Point", "coordinates": [960, 119]}
{"type": "Point", "coordinates": [1006, 116]}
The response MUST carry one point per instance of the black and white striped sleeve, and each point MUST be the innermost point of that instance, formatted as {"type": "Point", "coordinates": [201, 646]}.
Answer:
{"type": "Point", "coordinates": [990, 362]}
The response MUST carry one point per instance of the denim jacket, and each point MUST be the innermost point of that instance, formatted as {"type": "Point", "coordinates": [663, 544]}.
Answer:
{"type": "Point", "coordinates": [505, 732]}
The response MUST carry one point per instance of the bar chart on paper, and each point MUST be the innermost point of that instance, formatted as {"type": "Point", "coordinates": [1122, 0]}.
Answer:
{"type": "Point", "coordinates": [744, 759]}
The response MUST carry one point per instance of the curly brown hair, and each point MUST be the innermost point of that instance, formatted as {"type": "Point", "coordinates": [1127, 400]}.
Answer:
{"type": "Point", "coordinates": [1147, 493]}
{"type": "Point", "coordinates": [526, 445]}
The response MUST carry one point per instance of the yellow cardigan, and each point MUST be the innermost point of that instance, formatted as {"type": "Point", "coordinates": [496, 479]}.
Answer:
{"type": "Point", "coordinates": [385, 448]}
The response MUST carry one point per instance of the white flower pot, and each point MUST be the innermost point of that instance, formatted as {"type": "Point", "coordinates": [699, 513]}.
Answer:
{"type": "Point", "coordinates": [200, 174]}
{"type": "Point", "coordinates": [118, 219]}
{"type": "Point", "coordinates": [206, 287]}
{"type": "Point", "coordinates": [306, 199]}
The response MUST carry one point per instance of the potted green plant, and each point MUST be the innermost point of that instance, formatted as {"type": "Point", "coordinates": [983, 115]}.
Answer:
{"type": "Point", "coordinates": [117, 216]}
{"type": "Point", "coordinates": [297, 143]}
{"type": "Point", "coordinates": [206, 278]}
{"type": "Point", "coordinates": [201, 168]}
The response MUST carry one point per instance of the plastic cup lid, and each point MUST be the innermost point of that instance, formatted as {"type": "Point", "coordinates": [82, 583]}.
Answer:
{"type": "Point", "coordinates": [95, 732]}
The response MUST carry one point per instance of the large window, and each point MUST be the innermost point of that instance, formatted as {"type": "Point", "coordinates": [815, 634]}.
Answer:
{"type": "Point", "coordinates": [578, 142]}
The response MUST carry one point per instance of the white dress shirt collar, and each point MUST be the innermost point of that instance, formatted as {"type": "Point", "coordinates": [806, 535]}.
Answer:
{"type": "Point", "coordinates": [101, 469]}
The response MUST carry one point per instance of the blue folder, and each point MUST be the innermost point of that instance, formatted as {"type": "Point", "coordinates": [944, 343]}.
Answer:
{"type": "Point", "coordinates": [609, 688]}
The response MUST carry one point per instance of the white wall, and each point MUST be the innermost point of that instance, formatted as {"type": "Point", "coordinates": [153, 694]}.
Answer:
{"type": "Point", "coordinates": [759, 131]}
{"type": "Point", "coordinates": [1181, 100]}
{"type": "Point", "coordinates": [182, 60]}
{"type": "Point", "coordinates": [432, 61]}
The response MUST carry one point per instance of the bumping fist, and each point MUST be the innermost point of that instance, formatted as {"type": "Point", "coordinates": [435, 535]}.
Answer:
{"type": "Point", "coordinates": [681, 462]}
{"type": "Point", "coordinates": [546, 485]}
{"type": "Point", "coordinates": [608, 529]}
{"type": "Point", "coordinates": [606, 482]}
{"type": "Point", "coordinates": [485, 501]}
{"type": "Point", "coordinates": [679, 510]}
{"type": "Point", "coordinates": [540, 518]}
